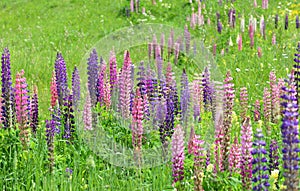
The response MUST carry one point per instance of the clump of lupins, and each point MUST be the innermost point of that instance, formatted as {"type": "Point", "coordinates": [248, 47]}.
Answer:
{"type": "Point", "coordinates": [259, 161]}
{"type": "Point", "coordinates": [290, 132]}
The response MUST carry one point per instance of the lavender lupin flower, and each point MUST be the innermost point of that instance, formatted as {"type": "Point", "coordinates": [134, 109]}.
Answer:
{"type": "Point", "coordinates": [276, 21]}
{"type": "Point", "coordinates": [61, 79]}
{"type": "Point", "coordinates": [273, 156]}
{"type": "Point", "coordinates": [178, 155]}
{"type": "Point", "coordinates": [7, 94]}
{"type": "Point", "coordinates": [219, 27]}
{"type": "Point", "coordinates": [207, 89]}
{"type": "Point", "coordinates": [296, 68]}
{"type": "Point", "coordinates": [76, 87]}
{"type": "Point", "coordinates": [34, 111]}
{"type": "Point", "coordinates": [290, 132]}
{"type": "Point", "coordinates": [259, 162]}
{"type": "Point", "coordinates": [93, 68]}
{"type": "Point", "coordinates": [69, 122]}
{"type": "Point", "coordinates": [286, 22]}
{"type": "Point", "coordinates": [185, 97]}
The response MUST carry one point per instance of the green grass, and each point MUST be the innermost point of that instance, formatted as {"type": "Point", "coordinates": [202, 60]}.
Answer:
{"type": "Point", "coordinates": [34, 31]}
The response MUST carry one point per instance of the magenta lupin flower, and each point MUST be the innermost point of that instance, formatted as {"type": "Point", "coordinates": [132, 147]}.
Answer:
{"type": "Point", "coordinates": [178, 154]}
{"type": "Point", "coordinates": [265, 4]}
{"type": "Point", "coordinates": [100, 85]}
{"type": "Point", "coordinates": [235, 156]}
{"type": "Point", "coordinates": [246, 161]}
{"type": "Point", "coordinates": [113, 70]}
{"type": "Point", "coordinates": [22, 106]}
{"type": "Point", "coordinates": [87, 113]}
{"type": "Point", "coordinates": [228, 108]}
{"type": "Point", "coordinates": [251, 34]}
{"type": "Point", "coordinates": [125, 86]}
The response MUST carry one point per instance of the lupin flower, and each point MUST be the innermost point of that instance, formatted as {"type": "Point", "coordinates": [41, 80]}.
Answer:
{"type": "Point", "coordinates": [242, 26]}
{"type": "Point", "coordinates": [265, 4]}
{"type": "Point", "coordinates": [87, 113]}
{"type": "Point", "coordinates": [243, 102]}
{"type": "Point", "coordinates": [286, 22]}
{"type": "Point", "coordinates": [131, 5]}
{"type": "Point", "coordinates": [207, 89]}
{"type": "Point", "coordinates": [137, 121]}
{"type": "Point", "coordinates": [251, 34]}
{"type": "Point", "coordinates": [219, 27]}
{"type": "Point", "coordinates": [254, 3]}
{"type": "Point", "coordinates": [297, 22]}
{"type": "Point", "coordinates": [259, 162]}
{"type": "Point", "coordinates": [274, 39]}
{"type": "Point", "coordinates": [22, 106]}
{"type": "Point", "coordinates": [273, 156]}
{"type": "Point", "coordinates": [262, 27]}
{"type": "Point", "coordinates": [34, 111]}
{"type": "Point", "coordinates": [76, 87]}
{"type": "Point", "coordinates": [199, 162]}
{"type": "Point", "coordinates": [235, 156]}
{"type": "Point", "coordinates": [1, 99]}
{"type": "Point", "coordinates": [100, 85]}
{"type": "Point", "coordinates": [7, 92]}
{"type": "Point", "coordinates": [228, 108]}
{"type": "Point", "coordinates": [61, 79]}
{"type": "Point", "coordinates": [187, 37]}
{"type": "Point", "coordinates": [296, 68]}
{"type": "Point", "coordinates": [92, 69]}
{"type": "Point", "coordinates": [240, 42]}
{"type": "Point", "coordinates": [290, 132]}
{"type": "Point", "coordinates": [257, 112]}
{"type": "Point", "coordinates": [107, 95]}
{"type": "Point", "coordinates": [51, 130]}
{"type": "Point", "coordinates": [185, 97]}
{"type": "Point", "coordinates": [125, 86]}
{"type": "Point", "coordinates": [166, 129]}
{"type": "Point", "coordinates": [219, 150]}
{"type": "Point", "coordinates": [276, 21]}
{"type": "Point", "coordinates": [267, 105]}
{"type": "Point", "coordinates": [162, 44]}
{"type": "Point", "coordinates": [197, 98]}
{"type": "Point", "coordinates": [259, 52]}
{"type": "Point", "coordinates": [69, 121]}
{"type": "Point", "coordinates": [53, 89]}
{"type": "Point", "coordinates": [275, 105]}
{"type": "Point", "coordinates": [154, 45]}
{"type": "Point", "coordinates": [246, 161]}
{"type": "Point", "coordinates": [177, 50]}
{"type": "Point", "coordinates": [178, 154]}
